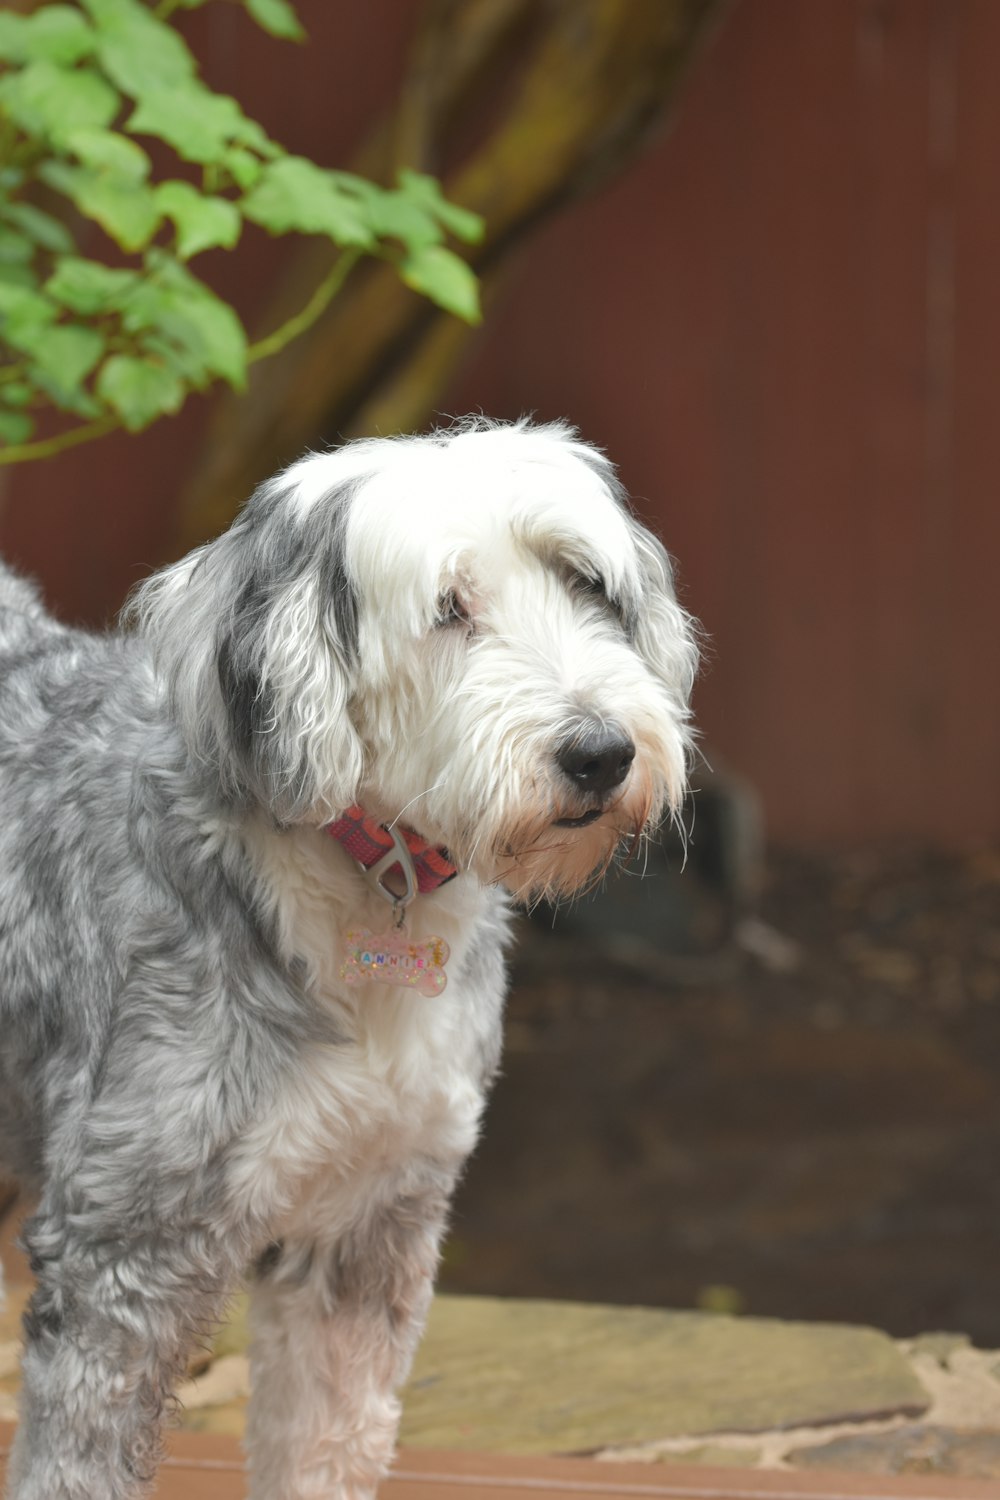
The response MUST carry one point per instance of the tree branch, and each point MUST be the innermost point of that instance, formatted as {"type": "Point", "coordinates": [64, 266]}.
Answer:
{"type": "Point", "coordinates": [20, 453]}
{"type": "Point", "coordinates": [320, 300]}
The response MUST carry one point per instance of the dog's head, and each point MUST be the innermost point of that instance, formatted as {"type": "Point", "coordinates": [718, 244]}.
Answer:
{"type": "Point", "coordinates": [468, 632]}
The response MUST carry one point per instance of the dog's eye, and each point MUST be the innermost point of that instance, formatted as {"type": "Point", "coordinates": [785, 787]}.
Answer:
{"type": "Point", "coordinates": [589, 585]}
{"type": "Point", "coordinates": [452, 610]}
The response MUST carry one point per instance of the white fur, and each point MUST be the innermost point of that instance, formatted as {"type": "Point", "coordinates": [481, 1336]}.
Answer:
{"type": "Point", "coordinates": [339, 1146]}
{"type": "Point", "coordinates": [407, 1085]}
{"type": "Point", "coordinates": [442, 630]}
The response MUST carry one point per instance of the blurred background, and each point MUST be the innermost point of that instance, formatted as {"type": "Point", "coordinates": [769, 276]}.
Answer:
{"type": "Point", "coordinates": [752, 250]}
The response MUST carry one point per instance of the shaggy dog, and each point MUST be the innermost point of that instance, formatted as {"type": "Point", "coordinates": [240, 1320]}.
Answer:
{"type": "Point", "coordinates": [254, 858]}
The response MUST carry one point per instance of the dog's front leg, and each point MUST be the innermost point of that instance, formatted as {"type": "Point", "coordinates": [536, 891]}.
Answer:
{"type": "Point", "coordinates": [335, 1327]}
{"type": "Point", "coordinates": [106, 1336]}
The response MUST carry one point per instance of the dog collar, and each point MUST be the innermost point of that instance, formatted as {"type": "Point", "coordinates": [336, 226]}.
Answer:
{"type": "Point", "coordinates": [369, 842]}
{"type": "Point", "coordinates": [391, 957]}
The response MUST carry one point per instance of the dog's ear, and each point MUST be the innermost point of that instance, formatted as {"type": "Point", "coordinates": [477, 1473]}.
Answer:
{"type": "Point", "coordinates": [256, 634]}
{"type": "Point", "coordinates": [664, 634]}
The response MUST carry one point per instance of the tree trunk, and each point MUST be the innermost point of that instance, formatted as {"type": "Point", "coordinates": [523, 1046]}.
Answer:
{"type": "Point", "coordinates": [583, 84]}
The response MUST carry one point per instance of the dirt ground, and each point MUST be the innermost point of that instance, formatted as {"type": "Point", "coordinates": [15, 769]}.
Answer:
{"type": "Point", "coordinates": [811, 1130]}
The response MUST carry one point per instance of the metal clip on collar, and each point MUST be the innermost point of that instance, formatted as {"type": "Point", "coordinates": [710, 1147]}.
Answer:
{"type": "Point", "coordinates": [375, 875]}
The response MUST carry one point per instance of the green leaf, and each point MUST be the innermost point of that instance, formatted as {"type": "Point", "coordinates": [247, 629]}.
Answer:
{"type": "Point", "coordinates": [173, 304]}
{"type": "Point", "coordinates": [243, 166]}
{"type": "Point", "coordinates": [45, 99]}
{"type": "Point", "coordinates": [293, 193]}
{"type": "Point", "coordinates": [160, 322]}
{"type": "Point", "coordinates": [137, 51]}
{"type": "Point", "coordinates": [106, 150]}
{"type": "Point", "coordinates": [16, 393]}
{"type": "Point", "coordinates": [24, 313]}
{"type": "Point", "coordinates": [64, 394]}
{"type": "Point", "coordinates": [198, 124]}
{"type": "Point", "coordinates": [393, 215]}
{"type": "Point", "coordinates": [61, 356]}
{"type": "Point", "coordinates": [11, 37]}
{"type": "Point", "coordinates": [139, 390]}
{"type": "Point", "coordinates": [15, 427]}
{"type": "Point", "coordinates": [125, 210]}
{"type": "Point", "coordinates": [17, 275]}
{"type": "Point", "coordinates": [222, 340]}
{"type": "Point", "coordinates": [39, 226]}
{"type": "Point", "coordinates": [461, 222]}
{"type": "Point", "coordinates": [88, 287]}
{"type": "Point", "coordinates": [185, 363]}
{"type": "Point", "coordinates": [202, 222]}
{"type": "Point", "coordinates": [277, 17]}
{"type": "Point", "coordinates": [68, 352]}
{"type": "Point", "coordinates": [57, 33]}
{"type": "Point", "coordinates": [15, 249]}
{"type": "Point", "coordinates": [445, 279]}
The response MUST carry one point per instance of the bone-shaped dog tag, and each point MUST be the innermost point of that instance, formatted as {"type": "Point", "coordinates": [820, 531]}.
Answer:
{"type": "Point", "coordinates": [393, 958]}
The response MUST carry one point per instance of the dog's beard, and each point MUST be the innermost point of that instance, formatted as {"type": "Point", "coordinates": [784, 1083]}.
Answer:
{"type": "Point", "coordinates": [536, 859]}
{"type": "Point", "coordinates": [479, 776]}
{"type": "Point", "coordinates": [517, 822]}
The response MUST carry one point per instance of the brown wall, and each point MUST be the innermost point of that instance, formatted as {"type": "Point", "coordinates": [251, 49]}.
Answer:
{"type": "Point", "coordinates": [783, 324]}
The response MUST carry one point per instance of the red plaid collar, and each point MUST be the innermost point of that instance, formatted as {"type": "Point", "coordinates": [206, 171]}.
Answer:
{"type": "Point", "coordinates": [367, 840]}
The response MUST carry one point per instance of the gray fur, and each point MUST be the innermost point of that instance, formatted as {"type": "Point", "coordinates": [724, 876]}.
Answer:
{"type": "Point", "coordinates": [128, 946]}
{"type": "Point", "coordinates": [146, 1016]}
{"type": "Point", "coordinates": [208, 619]}
{"type": "Point", "coordinates": [176, 1058]}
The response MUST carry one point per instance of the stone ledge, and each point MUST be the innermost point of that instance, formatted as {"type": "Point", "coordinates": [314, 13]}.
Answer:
{"type": "Point", "coordinates": [645, 1385]}
{"type": "Point", "coordinates": [558, 1377]}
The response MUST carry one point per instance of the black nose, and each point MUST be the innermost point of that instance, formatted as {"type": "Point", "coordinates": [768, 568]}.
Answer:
{"type": "Point", "coordinates": [597, 760]}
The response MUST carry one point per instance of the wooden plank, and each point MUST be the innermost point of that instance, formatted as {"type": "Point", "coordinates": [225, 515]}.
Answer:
{"type": "Point", "coordinates": [210, 1468]}
{"type": "Point", "coordinates": [901, 405]}
{"type": "Point", "coordinates": [783, 324]}
{"type": "Point", "coordinates": [967, 784]}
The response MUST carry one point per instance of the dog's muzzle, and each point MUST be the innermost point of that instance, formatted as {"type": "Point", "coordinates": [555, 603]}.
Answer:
{"type": "Point", "coordinates": [595, 763]}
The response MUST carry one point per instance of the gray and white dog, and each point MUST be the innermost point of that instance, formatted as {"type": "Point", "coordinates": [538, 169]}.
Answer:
{"type": "Point", "coordinates": [224, 1044]}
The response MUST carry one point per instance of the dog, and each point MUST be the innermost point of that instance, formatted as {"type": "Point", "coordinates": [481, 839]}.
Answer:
{"type": "Point", "coordinates": [257, 857]}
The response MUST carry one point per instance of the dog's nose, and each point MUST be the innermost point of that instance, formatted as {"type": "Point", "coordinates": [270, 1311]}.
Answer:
{"type": "Point", "coordinates": [598, 760]}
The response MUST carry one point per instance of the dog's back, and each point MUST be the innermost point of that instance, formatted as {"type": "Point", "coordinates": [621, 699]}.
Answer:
{"type": "Point", "coordinates": [29, 637]}
{"type": "Point", "coordinates": [21, 608]}
{"type": "Point", "coordinates": [23, 622]}
{"type": "Point", "coordinates": [59, 749]}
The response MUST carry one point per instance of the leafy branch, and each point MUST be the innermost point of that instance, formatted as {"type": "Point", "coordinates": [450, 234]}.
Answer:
{"type": "Point", "coordinates": [124, 343]}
